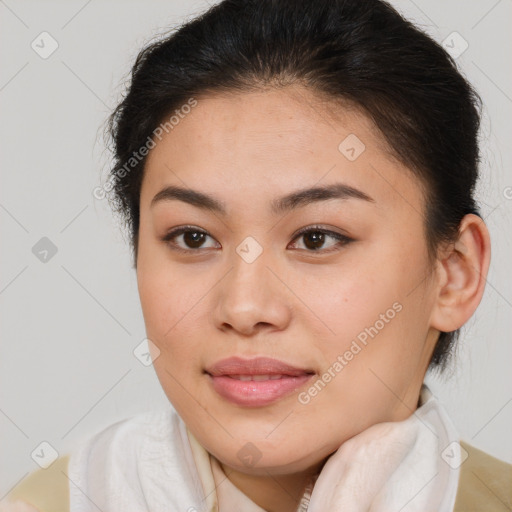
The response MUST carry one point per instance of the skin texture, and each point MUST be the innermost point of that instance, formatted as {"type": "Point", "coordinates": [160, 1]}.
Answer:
{"type": "Point", "coordinates": [292, 303]}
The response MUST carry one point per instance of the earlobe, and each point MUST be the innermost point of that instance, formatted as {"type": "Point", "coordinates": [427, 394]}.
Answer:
{"type": "Point", "coordinates": [462, 273]}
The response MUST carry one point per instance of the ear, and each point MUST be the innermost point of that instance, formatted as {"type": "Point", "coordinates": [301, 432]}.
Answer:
{"type": "Point", "coordinates": [462, 272]}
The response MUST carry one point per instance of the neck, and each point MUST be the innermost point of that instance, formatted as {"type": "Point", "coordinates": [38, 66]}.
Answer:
{"type": "Point", "coordinates": [279, 493]}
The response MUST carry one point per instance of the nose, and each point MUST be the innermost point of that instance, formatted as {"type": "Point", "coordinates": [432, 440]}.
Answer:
{"type": "Point", "coordinates": [252, 297]}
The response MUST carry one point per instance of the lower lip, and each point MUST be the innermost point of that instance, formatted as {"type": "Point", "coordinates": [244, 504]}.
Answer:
{"type": "Point", "coordinates": [254, 393]}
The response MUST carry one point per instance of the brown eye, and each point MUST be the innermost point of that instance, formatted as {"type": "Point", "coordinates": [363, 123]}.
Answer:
{"type": "Point", "coordinates": [315, 238]}
{"type": "Point", "coordinates": [192, 239]}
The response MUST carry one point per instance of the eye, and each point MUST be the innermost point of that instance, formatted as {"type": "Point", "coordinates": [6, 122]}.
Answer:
{"type": "Point", "coordinates": [192, 238]}
{"type": "Point", "coordinates": [315, 238]}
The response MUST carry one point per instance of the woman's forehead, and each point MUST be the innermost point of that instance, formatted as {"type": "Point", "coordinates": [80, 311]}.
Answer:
{"type": "Point", "coordinates": [268, 144]}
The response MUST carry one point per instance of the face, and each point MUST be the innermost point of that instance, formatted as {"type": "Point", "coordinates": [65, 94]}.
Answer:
{"type": "Point", "coordinates": [334, 284]}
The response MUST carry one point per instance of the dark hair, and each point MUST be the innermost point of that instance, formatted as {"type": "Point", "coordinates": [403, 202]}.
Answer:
{"type": "Point", "coordinates": [358, 51]}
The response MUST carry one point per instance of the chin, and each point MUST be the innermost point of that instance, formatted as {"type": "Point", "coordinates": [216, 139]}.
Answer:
{"type": "Point", "coordinates": [259, 456]}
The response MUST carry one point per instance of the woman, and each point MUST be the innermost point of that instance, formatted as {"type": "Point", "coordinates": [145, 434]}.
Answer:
{"type": "Point", "coordinates": [298, 180]}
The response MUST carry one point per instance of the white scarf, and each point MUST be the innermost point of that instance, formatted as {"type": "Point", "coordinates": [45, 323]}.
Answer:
{"type": "Point", "coordinates": [153, 463]}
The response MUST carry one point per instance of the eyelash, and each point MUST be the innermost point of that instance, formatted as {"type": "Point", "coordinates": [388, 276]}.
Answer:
{"type": "Point", "coordinates": [342, 239]}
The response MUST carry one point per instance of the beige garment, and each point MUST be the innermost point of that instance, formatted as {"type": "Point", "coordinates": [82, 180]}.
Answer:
{"type": "Point", "coordinates": [485, 483]}
{"type": "Point", "coordinates": [45, 489]}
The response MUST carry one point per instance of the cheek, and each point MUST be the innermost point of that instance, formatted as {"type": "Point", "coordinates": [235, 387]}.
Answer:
{"type": "Point", "coordinates": [170, 321]}
{"type": "Point", "coordinates": [166, 294]}
{"type": "Point", "coordinates": [379, 294]}
{"type": "Point", "coordinates": [349, 297]}
{"type": "Point", "coordinates": [173, 315]}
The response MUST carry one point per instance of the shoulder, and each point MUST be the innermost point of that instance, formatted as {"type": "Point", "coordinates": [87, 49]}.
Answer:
{"type": "Point", "coordinates": [485, 483]}
{"type": "Point", "coordinates": [119, 444]}
{"type": "Point", "coordinates": [45, 489]}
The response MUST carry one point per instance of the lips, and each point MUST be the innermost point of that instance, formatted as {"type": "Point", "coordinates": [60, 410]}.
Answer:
{"type": "Point", "coordinates": [256, 382]}
{"type": "Point", "coordinates": [257, 366]}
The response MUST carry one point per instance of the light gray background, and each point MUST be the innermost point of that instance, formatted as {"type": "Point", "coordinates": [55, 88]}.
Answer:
{"type": "Point", "coordinates": [69, 326]}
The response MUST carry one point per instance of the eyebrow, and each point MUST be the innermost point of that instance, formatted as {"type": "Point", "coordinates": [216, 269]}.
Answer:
{"type": "Point", "coordinates": [297, 199]}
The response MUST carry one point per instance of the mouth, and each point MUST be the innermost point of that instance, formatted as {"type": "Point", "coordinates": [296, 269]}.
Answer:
{"type": "Point", "coordinates": [257, 377]}
{"type": "Point", "coordinates": [256, 382]}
